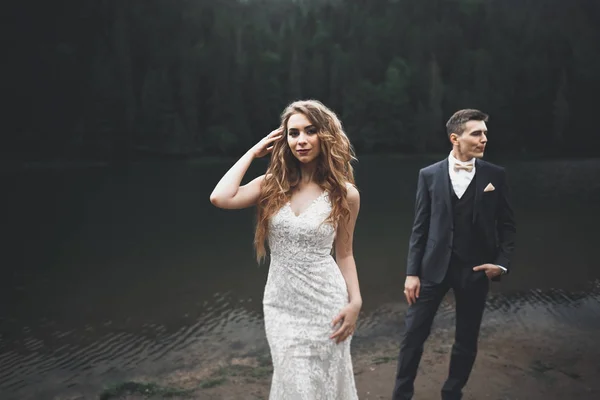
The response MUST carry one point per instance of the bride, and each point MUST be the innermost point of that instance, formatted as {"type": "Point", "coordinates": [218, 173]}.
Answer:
{"type": "Point", "coordinates": [307, 204]}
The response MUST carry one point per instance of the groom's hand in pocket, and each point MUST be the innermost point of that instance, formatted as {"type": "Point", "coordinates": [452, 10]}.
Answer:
{"type": "Point", "coordinates": [412, 287]}
{"type": "Point", "coordinates": [491, 270]}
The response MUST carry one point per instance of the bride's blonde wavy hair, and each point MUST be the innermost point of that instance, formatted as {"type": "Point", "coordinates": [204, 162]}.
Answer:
{"type": "Point", "coordinates": [283, 175]}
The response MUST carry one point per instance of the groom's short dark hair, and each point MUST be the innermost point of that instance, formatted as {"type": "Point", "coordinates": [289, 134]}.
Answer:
{"type": "Point", "coordinates": [456, 123]}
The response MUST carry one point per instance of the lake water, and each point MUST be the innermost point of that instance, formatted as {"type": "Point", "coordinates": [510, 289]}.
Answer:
{"type": "Point", "coordinates": [113, 272]}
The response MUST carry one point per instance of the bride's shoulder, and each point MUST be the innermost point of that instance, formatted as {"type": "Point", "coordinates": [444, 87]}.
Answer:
{"type": "Point", "coordinates": [352, 193]}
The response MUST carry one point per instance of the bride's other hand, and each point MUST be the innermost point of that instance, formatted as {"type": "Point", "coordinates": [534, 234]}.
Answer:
{"type": "Point", "coordinates": [347, 317]}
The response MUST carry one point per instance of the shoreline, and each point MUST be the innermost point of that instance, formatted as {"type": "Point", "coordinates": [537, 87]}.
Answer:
{"type": "Point", "coordinates": [18, 165]}
{"type": "Point", "coordinates": [541, 364]}
{"type": "Point", "coordinates": [527, 351]}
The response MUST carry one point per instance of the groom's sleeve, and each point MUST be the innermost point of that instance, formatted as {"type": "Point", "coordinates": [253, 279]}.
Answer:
{"type": "Point", "coordinates": [506, 226]}
{"type": "Point", "coordinates": [418, 237]}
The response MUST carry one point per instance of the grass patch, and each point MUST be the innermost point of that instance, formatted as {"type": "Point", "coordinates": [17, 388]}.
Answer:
{"type": "Point", "coordinates": [260, 372]}
{"type": "Point", "coordinates": [147, 389]}
{"type": "Point", "coordinates": [383, 360]}
{"type": "Point", "coordinates": [249, 373]}
{"type": "Point", "coordinates": [264, 360]}
{"type": "Point", "coordinates": [212, 382]}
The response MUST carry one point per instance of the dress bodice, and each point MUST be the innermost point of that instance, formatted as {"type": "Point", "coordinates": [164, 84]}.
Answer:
{"type": "Point", "coordinates": [303, 237]}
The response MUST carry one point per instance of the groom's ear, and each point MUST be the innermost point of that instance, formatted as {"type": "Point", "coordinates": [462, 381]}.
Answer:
{"type": "Point", "coordinates": [453, 138]}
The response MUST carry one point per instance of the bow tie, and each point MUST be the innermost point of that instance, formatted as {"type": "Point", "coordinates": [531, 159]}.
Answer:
{"type": "Point", "coordinates": [466, 167]}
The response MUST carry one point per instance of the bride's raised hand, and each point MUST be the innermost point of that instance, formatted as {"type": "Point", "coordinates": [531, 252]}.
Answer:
{"type": "Point", "coordinates": [265, 145]}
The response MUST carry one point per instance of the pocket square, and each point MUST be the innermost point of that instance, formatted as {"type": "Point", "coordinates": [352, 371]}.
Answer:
{"type": "Point", "coordinates": [489, 188]}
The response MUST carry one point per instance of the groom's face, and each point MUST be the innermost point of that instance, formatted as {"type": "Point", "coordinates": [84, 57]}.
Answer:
{"type": "Point", "coordinates": [471, 143]}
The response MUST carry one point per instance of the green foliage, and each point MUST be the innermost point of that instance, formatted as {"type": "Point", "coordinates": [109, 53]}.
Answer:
{"type": "Point", "coordinates": [211, 77]}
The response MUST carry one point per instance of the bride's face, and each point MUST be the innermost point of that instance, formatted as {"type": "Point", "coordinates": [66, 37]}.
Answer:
{"type": "Point", "coordinates": [303, 138]}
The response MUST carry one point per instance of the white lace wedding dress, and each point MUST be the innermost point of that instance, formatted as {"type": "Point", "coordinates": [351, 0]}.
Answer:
{"type": "Point", "coordinates": [305, 290]}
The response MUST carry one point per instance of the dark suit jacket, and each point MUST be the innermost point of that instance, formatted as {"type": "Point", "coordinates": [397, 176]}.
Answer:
{"type": "Point", "coordinates": [430, 244]}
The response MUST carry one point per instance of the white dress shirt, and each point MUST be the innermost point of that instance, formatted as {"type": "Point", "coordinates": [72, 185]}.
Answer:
{"type": "Point", "coordinates": [460, 179]}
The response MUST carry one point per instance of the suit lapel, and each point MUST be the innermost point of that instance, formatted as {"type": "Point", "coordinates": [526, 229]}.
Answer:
{"type": "Point", "coordinates": [480, 182]}
{"type": "Point", "coordinates": [444, 186]}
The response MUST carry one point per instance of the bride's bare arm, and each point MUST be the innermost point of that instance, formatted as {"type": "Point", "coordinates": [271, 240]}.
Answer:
{"type": "Point", "coordinates": [345, 321]}
{"type": "Point", "coordinates": [228, 193]}
{"type": "Point", "coordinates": [343, 249]}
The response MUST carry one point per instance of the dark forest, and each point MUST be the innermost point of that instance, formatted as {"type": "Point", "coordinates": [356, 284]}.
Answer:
{"type": "Point", "coordinates": [103, 79]}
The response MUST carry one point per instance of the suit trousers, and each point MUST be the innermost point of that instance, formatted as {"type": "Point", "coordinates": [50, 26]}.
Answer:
{"type": "Point", "coordinates": [470, 291]}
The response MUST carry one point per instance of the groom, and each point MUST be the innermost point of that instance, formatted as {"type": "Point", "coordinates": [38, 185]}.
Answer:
{"type": "Point", "coordinates": [462, 237]}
